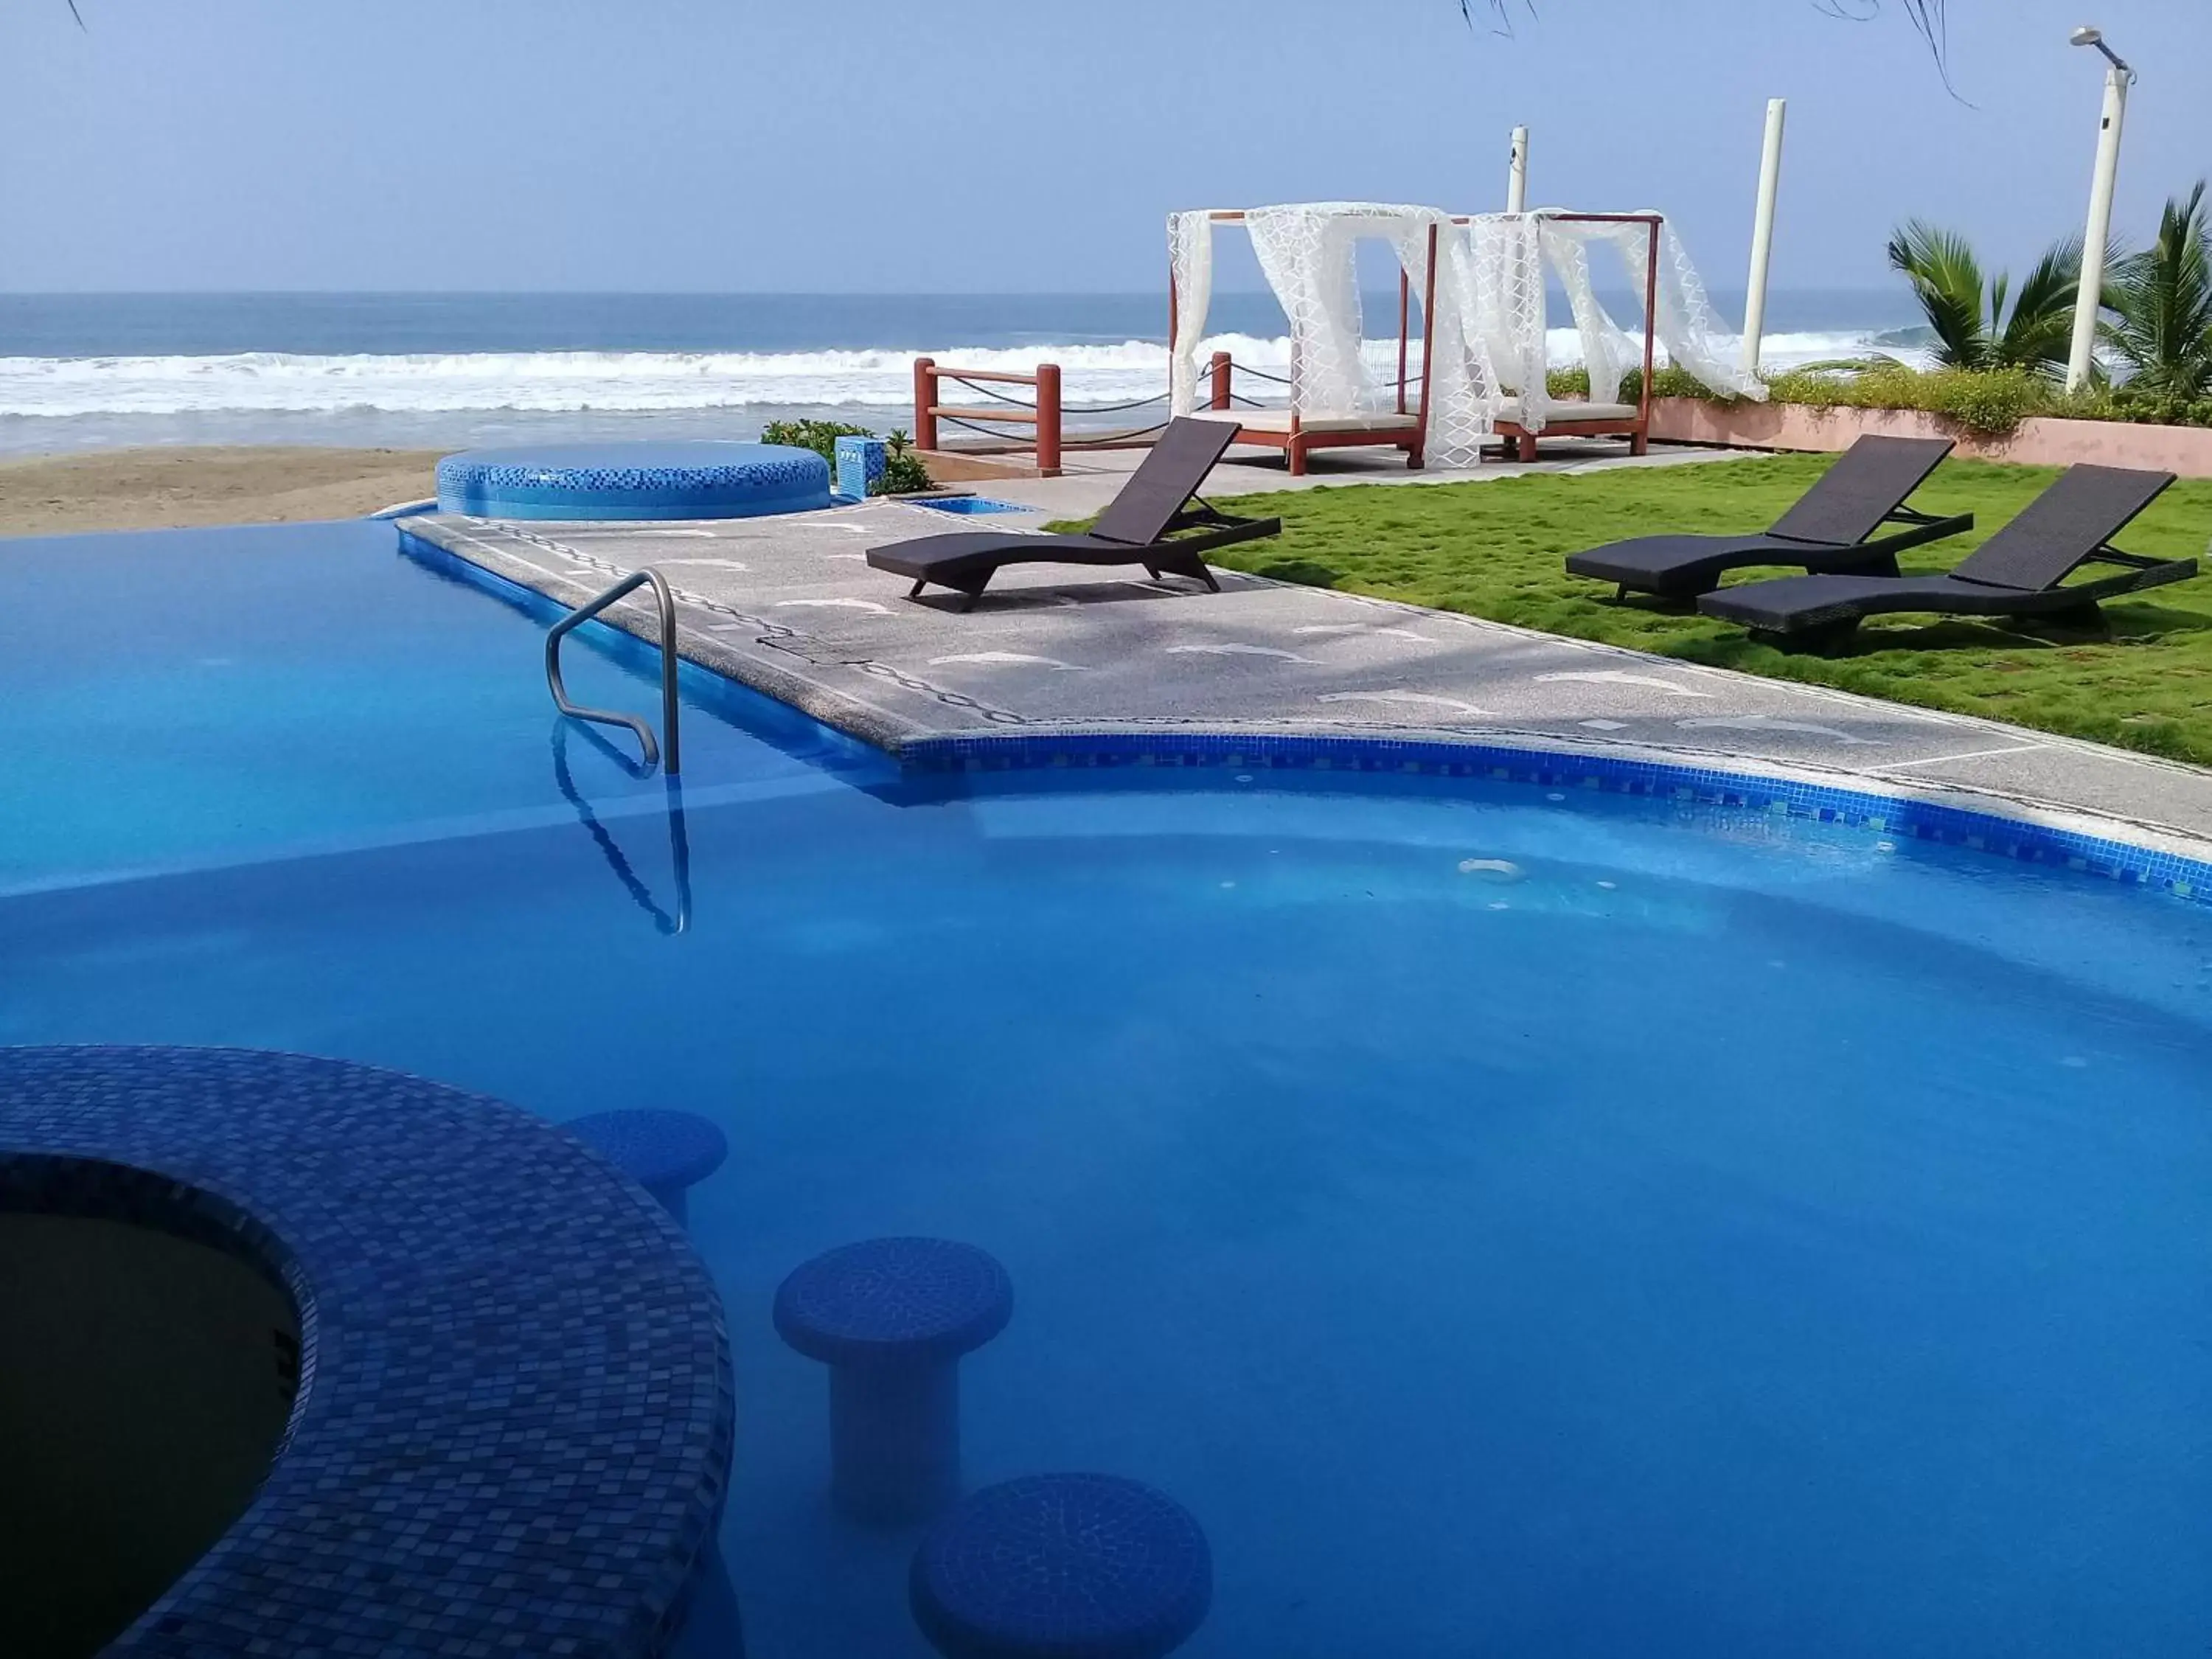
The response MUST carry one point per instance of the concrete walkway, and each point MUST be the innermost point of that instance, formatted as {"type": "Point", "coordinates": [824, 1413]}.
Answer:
{"type": "Point", "coordinates": [1091, 476]}
{"type": "Point", "coordinates": [789, 605]}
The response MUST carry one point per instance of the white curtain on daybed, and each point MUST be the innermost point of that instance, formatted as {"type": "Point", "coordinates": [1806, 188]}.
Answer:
{"type": "Point", "coordinates": [1487, 322]}
{"type": "Point", "coordinates": [1308, 253]}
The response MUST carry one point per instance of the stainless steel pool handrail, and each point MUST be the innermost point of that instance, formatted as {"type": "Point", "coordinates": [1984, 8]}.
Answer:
{"type": "Point", "coordinates": [584, 613]}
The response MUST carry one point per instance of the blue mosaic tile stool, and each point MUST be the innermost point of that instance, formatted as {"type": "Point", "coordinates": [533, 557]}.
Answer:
{"type": "Point", "coordinates": [1062, 1566]}
{"type": "Point", "coordinates": [664, 1151]}
{"type": "Point", "coordinates": [891, 1318]}
{"type": "Point", "coordinates": [861, 463]}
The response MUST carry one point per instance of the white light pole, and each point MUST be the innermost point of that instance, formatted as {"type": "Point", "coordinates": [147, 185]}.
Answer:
{"type": "Point", "coordinates": [2087, 301]}
{"type": "Point", "coordinates": [1516, 177]}
{"type": "Point", "coordinates": [1762, 233]}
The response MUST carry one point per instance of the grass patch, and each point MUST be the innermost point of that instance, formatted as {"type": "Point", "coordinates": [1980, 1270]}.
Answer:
{"type": "Point", "coordinates": [1493, 549]}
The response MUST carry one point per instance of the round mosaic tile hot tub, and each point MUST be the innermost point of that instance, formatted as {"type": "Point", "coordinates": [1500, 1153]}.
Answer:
{"type": "Point", "coordinates": [514, 1419]}
{"type": "Point", "coordinates": [703, 479]}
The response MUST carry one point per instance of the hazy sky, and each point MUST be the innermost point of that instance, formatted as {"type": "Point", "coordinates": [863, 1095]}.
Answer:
{"type": "Point", "coordinates": [894, 145]}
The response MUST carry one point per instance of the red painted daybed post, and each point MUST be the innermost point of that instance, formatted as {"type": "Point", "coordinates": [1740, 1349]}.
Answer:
{"type": "Point", "coordinates": [1417, 451]}
{"type": "Point", "coordinates": [1639, 440]}
{"type": "Point", "coordinates": [1405, 323]}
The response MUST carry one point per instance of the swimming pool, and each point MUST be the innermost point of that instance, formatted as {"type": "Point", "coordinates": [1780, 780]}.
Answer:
{"type": "Point", "coordinates": [1511, 1223]}
{"type": "Point", "coordinates": [970, 505]}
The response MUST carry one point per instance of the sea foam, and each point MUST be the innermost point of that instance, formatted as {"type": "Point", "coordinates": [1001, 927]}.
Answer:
{"type": "Point", "coordinates": [644, 381]}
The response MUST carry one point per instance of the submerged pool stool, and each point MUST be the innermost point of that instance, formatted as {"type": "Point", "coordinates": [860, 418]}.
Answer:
{"type": "Point", "coordinates": [664, 1151]}
{"type": "Point", "coordinates": [1068, 1566]}
{"type": "Point", "coordinates": [891, 1318]}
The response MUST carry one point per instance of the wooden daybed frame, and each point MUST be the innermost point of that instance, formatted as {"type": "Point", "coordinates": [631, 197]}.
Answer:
{"type": "Point", "coordinates": [1408, 428]}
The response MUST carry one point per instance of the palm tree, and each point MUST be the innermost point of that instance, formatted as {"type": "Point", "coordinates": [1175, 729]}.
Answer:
{"type": "Point", "coordinates": [2163, 299]}
{"type": "Point", "coordinates": [1946, 280]}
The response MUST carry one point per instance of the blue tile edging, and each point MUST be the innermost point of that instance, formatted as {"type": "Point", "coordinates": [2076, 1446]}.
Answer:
{"type": "Point", "coordinates": [515, 1417]}
{"type": "Point", "coordinates": [1897, 815]}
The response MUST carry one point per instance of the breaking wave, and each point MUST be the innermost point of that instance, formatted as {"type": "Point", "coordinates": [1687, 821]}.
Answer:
{"type": "Point", "coordinates": [555, 382]}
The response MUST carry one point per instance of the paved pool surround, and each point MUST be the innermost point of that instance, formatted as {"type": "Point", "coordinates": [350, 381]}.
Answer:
{"type": "Point", "coordinates": [1062, 665]}
{"type": "Point", "coordinates": [514, 1418]}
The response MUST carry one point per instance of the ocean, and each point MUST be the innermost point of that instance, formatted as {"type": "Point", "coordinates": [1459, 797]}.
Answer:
{"type": "Point", "coordinates": [81, 372]}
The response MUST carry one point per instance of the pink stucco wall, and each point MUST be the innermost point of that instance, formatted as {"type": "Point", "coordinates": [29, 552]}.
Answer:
{"type": "Point", "coordinates": [2182, 450]}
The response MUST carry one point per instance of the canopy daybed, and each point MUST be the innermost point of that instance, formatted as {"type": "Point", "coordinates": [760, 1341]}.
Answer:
{"type": "Point", "coordinates": [1481, 280]}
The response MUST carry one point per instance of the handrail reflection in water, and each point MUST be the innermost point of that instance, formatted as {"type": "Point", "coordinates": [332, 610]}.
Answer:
{"type": "Point", "coordinates": [679, 836]}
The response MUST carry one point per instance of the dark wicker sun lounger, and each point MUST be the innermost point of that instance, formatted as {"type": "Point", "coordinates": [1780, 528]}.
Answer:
{"type": "Point", "coordinates": [1144, 524]}
{"type": "Point", "coordinates": [2018, 572]}
{"type": "Point", "coordinates": [1832, 527]}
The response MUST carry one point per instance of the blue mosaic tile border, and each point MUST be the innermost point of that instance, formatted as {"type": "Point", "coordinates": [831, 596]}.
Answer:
{"type": "Point", "coordinates": [699, 479]}
{"type": "Point", "coordinates": [484, 1303]}
{"type": "Point", "coordinates": [1865, 809]}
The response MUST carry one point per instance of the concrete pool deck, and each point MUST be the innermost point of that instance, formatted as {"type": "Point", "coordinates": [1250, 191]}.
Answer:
{"type": "Point", "coordinates": [789, 606]}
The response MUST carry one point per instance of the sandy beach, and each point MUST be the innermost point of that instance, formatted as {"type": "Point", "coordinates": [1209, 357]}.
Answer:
{"type": "Point", "coordinates": [161, 489]}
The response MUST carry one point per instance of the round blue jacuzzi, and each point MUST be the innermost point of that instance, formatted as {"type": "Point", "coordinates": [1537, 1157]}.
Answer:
{"type": "Point", "coordinates": [703, 479]}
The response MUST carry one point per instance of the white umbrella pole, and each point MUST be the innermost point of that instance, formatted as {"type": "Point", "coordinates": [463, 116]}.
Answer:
{"type": "Point", "coordinates": [1762, 233]}
{"type": "Point", "coordinates": [1516, 177]}
{"type": "Point", "coordinates": [2100, 231]}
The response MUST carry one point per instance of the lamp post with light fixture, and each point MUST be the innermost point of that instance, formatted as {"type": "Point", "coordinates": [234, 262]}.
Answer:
{"type": "Point", "coordinates": [2090, 298]}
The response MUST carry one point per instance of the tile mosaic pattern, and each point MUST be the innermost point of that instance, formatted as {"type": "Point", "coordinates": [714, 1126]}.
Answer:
{"type": "Point", "coordinates": [631, 481]}
{"type": "Point", "coordinates": [513, 1426]}
{"type": "Point", "coordinates": [861, 463]}
{"type": "Point", "coordinates": [1880, 814]}
{"type": "Point", "coordinates": [1057, 1565]}
{"type": "Point", "coordinates": [904, 1301]}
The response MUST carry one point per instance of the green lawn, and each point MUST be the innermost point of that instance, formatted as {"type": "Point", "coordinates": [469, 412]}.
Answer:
{"type": "Point", "coordinates": [1494, 549]}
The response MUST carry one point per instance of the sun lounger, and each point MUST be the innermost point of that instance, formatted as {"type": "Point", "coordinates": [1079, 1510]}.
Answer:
{"type": "Point", "coordinates": [2021, 571]}
{"type": "Point", "coordinates": [1144, 524]}
{"type": "Point", "coordinates": [1831, 528]}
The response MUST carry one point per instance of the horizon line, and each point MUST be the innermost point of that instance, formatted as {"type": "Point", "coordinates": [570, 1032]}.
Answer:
{"type": "Point", "coordinates": [713, 293]}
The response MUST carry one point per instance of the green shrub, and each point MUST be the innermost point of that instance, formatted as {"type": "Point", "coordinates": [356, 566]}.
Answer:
{"type": "Point", "coordinates": [1990, 401]}
{"type": "Point", "coordinates": [903, 472]}
{"type": "Point", "coordinates": [820, 436]}
{"type": "Point", "coordinates": [1993, 401]}
{"type": "Point", "coordinates": [1669, 382]}
{"type": "Point", "coordinates": [2158, 408]}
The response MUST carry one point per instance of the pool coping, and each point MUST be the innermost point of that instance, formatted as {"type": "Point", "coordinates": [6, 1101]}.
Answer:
{"type": "Point", "coordinates": [2034, 835]}
{"type": "Point", "coordinates": [514, 1415]}
{"type": "Point", "coordinates": [782, 662]}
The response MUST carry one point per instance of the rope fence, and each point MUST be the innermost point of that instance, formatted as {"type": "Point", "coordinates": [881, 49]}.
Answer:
{"type": "Point", "coordinates": [1044, 411]}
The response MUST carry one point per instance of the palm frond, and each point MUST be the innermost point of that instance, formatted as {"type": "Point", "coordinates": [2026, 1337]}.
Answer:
{"type": "Point", "coordinates": [1927, 17]}
{"type": "Point", "coordinates": [1946, 281]}
{"type": "Point", "coordinates": [2162, 301]}
{"type": "Point", "coordinates": [2039, 335]}
{"type": "Point", "coordinates": [1502, 10]}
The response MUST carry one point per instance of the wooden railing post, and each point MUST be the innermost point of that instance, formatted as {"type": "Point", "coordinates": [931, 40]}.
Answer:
{"type": "Point", "coordinates": [1048, 419]}
{"type": "Point", "coordinates": [1222, 385]}
{"type": "Point", "coordinates": [925, 403]}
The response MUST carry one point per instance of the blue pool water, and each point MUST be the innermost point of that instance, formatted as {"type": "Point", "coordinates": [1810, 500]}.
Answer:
{"type": "Point", "coordinates": [973, 505]}
{"type": "Point", "coordinates": [1708, 1236]}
